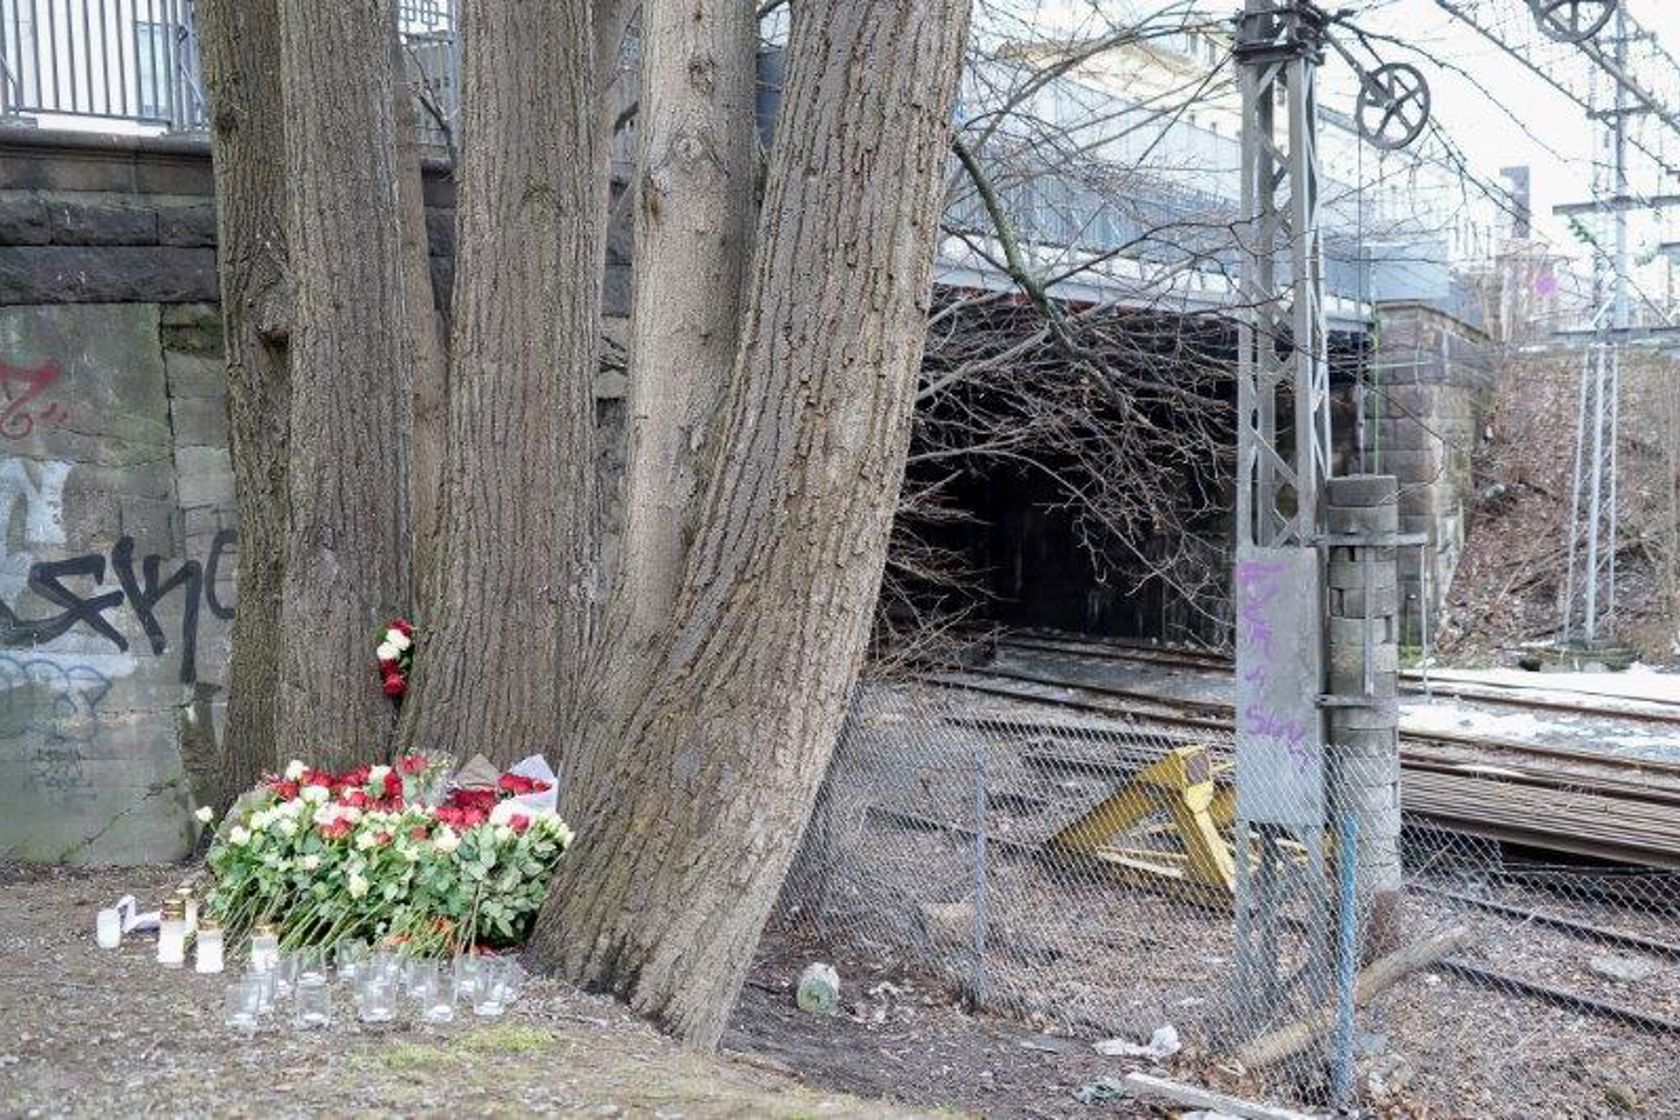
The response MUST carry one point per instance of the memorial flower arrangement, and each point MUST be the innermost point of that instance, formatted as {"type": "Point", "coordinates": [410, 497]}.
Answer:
{"type": "Point", "coordinates": [398, 853]}
{"type": "Point", "coordinates": [394, 657]}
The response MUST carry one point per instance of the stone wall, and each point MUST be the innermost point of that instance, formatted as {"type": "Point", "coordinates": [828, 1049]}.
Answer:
{"type": "Point", "coordinates": [116, 573]}
{"type": "Point", "coordinates": [1434, 386]}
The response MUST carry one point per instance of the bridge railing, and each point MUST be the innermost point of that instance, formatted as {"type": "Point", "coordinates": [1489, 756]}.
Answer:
{"type": "Point", "coordinates": [134, 63]}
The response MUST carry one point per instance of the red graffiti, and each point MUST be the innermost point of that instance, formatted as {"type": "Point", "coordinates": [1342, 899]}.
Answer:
{"type": "Point", "coordinates": [20, 386]}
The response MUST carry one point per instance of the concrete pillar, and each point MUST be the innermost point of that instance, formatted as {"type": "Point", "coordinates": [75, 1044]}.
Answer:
{"type": "Point", "coordinates": [1363, 760]}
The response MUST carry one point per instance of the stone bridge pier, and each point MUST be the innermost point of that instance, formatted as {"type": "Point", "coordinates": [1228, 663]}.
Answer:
{"type": "Point", "coordinates": [1429, 389]}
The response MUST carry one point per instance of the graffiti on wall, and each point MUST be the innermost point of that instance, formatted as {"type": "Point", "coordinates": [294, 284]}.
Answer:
{"type": "Point", "coordinates": [89, 589]}
{"type": "Point", "coordinates": [23, 401]}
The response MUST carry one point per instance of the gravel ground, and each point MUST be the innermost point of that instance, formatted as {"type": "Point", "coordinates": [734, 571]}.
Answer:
{"type": "Point", "coordinates": [91, 1032]}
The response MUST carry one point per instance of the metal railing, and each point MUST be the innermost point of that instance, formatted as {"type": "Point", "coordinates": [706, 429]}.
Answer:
{"type": "Point", "coordinates": [136, 61]}
{"type": "Point", "coordinates": [119, 60]}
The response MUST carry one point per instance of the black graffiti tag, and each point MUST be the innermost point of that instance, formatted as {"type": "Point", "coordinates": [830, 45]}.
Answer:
{"type": "Point", "coordinates": [47, 578]}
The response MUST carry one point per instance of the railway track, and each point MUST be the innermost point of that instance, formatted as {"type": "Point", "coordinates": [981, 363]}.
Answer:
{"type": "Point", "coordinates": [1211, 662]}
{"type": "Point", "coordinates": [1556, 799]}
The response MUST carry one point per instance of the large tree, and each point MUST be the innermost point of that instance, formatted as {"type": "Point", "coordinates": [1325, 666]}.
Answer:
{"type": "Point", "coordinates": [347, 554]}
{"type": "Point", "coordinates": [430, 378]}
{"type": "Point", "coordinates": [239, 42]}
{"type": "Point", "coordinates": [694, 208]}
{"type": "Point", "coordinates": [512, 608]}
{"type": "Point", "coordinates": [689, 816]}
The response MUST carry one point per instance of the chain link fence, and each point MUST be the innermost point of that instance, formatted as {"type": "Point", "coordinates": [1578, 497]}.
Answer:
{"type": "Point", "coordinates": [1078, 870]}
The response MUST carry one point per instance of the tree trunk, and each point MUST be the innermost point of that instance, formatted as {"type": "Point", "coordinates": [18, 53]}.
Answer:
{"type": "Point", "coordinates": [239, 41]}
{"type": "Point", "coordinates": [694, 211]}
{"type": "Point", "coordinates": [686, 827]}
{"type": "Point", "coordinates": [348, 542]}
{"type": "Point", "coordinates": [500, 663]}
{"type": "Point", "coordinates": [431, 362]}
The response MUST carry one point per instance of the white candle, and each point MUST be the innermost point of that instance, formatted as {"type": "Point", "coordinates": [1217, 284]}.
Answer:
{"type": "Point", "coordinates": [207, 948]}
{"type": "Point", "coordinates": [108, 928]}
{"type": "Point", "coordinates": [172, 935]}
{"type": "Point", "coordinates": [186, 896]}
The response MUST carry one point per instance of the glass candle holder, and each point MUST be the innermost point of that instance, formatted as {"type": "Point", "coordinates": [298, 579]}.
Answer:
{"type": "Point", "coordinates": [107, 928]}
{"type": "Point", "coordinates": [265, 948]}
{"type": "Point", "coordinates": [309, 963]}
{"type": "Point", "coordinates": [285, 973]}
{"type": "Point", "coordinates": [376, 997]}
{"type": "Point", "coordinates": [349, 958]}
{"type": "Point", "coordinates": [243, 1005]}
{"type": "Point", "coordinates": [386, 964]}
{"type": "Point", "coordinates": [312, 1004]}
{"type": "Point", "coordinates": [432, 987]}
{"type": "Point", "coordinates": [264, 981]}
{"type": "Point", "coordinates": [172, 935]}
{"type": "Point", "coordinates": [207, 947]}
{"type": "Point", "coordinates": [489, 995]}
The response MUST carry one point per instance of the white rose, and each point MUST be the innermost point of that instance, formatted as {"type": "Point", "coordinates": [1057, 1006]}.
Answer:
{"type": "Point", "coordinates": [505, 811]}
{"type": "Point", "coordinates": [294, 770]}
{"type": "Point", "coordinates": [398, 639]}
{"type": "Point", "coordinates": [238, 836]}
{"type": "Point", "coordinates": [309, 862]}
{"type": "Point", "coordinates": [204, 814]}
{"type": "Point", "coordinates": [288, 826]}
{"type": "Point", "coordinates": [377, 774]}
{"type": "Point", "coordinates": [386, 652]}
{"type": "Point", "coordinates": [358, 885]}
{"type": "Point", "coordinates": [317, 794]}
{"type": "Point", "coordinates": [260, 819]}
{"type": "Point", "coordinates": [446, 839]}
{"type": "Point", "coordinates": [366, 840]}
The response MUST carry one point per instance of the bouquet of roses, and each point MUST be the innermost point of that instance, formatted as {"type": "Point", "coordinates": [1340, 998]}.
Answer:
{"type": "Point", "coordinates": [394, 657]}
{"type": "Point", "coordinates": [386, 852]}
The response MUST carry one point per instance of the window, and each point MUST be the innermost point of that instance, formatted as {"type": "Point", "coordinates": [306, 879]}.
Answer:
{"type": "Point", "coordinates": [152, 69]}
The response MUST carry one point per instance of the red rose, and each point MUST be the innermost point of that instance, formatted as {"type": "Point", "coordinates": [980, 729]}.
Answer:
{"type": "Point", "coordinates": [402, 626]}
{"type": "Point", "coordinates": [286, 790]}
{"type": "Point", "coordinates": [413, 764]}
{"type": "Point", "coordinates": [357, 798]}
{"type": "Point", "coordinates": [394, 685]}
{"type": "Point", "coordinates": [540, 786]}
{"type": "Point", "coordinates": [381, 838]}
{"type": "Point", "coordinates": [336, 830]}
{"type": "Point", "coordinates": [471, 817]}
{"type": "Point", "coordinates": [418, 832]}
{"type": "Point", "coordinates": [393, 784]}
{"type": "Point", "coordinates": [519, 822]}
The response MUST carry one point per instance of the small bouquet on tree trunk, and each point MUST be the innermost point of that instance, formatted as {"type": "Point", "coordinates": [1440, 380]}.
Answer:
{"type": "Point", "coordinates": [394, 657]}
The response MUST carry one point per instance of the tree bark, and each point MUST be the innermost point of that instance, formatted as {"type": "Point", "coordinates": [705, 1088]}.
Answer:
{"type": "Point", "coordinates": [348, 541]}
{"type": "Point", "coordinates": [239, 41]}
{"type": "Point", "coordinates": [694, 212]}
{"type": "Point", "coordinates": [512, 617]}
{"type": "Point", "coordinates": [687, 823]}
{"type": "Point", "coordinates": [431, 361]}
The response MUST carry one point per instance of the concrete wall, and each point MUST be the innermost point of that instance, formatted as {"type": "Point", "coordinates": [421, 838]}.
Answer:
{"type": "Point", "coordinates": [116, 573]}
{"type": "Point", "coordinates": [1434, 386]}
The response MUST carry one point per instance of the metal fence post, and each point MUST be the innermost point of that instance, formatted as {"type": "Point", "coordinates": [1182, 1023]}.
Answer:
{"type": "Point", "coordinates": [978, 980]}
